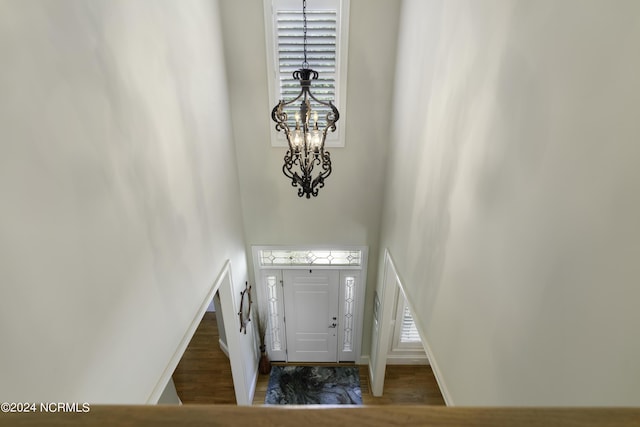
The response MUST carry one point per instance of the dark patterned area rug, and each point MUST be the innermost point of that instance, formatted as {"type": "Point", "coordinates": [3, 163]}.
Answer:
{"type": "Point", "coordinates": [314, 385]}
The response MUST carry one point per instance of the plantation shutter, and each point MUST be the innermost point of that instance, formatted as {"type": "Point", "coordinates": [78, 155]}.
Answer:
{"type": "Point", "coordinates": [321, 56]}
{"type": "Point", "coordinates": [408, 331]}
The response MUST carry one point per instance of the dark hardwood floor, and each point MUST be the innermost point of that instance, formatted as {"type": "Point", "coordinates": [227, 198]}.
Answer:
{"type": "Point", "coordinates": [204, 372]}
{"type": "Point", "coordinates": [204, 376]}
{"type": "Point", "coordinates": [404, 385]}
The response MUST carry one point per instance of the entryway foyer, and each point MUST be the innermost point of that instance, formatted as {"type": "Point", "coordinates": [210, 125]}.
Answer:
{"type": "Point", "coordinates": [314, 301]}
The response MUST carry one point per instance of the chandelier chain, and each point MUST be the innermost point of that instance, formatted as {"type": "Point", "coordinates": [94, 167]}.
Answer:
{"type": "Point", "coordinates": [305, 64]}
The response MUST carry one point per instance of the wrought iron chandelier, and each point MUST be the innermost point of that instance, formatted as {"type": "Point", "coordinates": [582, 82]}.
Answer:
{"type": "Point", "coordinates": [306, 154]}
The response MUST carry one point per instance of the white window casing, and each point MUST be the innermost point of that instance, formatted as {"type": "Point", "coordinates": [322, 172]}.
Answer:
{"type": "Point", "coordinates": [327, 41]}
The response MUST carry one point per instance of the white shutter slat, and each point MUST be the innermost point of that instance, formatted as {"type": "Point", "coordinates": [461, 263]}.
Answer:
{"type": "Point", "coordinates": [327, 28]}
{"type": "Point", "coordinates": [408, 331]}
{"type": "Point", "coordinates": [321, 56]}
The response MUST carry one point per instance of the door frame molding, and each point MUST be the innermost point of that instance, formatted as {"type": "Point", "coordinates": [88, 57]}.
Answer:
{"type": "Point", "coordinates": [260, 272]}
{"type": "Point", "coordinates": [382, 329]}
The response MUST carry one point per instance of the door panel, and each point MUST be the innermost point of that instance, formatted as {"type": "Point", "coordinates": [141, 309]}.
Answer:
{"type": "Point", "coordinates": [311, 311]}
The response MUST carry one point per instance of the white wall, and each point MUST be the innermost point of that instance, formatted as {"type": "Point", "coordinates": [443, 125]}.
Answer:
{"type": "Point", "coordinates": [119, 192]}
{"type": "Point", "coordinates": [348, 209]}
{"type": "Point", "coordinates": [169, 395]}
{"type": "Point", "coordinates": [512, 206]}
{"type": "Point", "coordinates": [222, 334]}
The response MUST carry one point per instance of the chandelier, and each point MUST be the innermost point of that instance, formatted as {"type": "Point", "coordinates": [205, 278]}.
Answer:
{"type": "Point", "coordinates": [306, 155]}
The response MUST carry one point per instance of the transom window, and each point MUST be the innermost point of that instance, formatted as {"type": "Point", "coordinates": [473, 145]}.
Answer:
{"type": "Point", "coordinates": [333, 257]}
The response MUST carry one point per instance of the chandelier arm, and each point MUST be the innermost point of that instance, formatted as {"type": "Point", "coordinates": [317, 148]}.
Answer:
{"type": "Point", "coordinates": [336, 113]}
{"type": "Point", "coordinates": [326, 170]}
{"type": "Point", "coordinates": [331, 127]}
{"type": "Point", "coordinates": [282, 126]}
{"type": "Point", "coordinates": [277, 112]}
{"type": "Point", "coordinates": [284, 104]}
{"type": "Point", "coordinates": [326, 166]}
{"type": "Point", "coordinates": [331, 122]}
{"type": "Point", "coordinates": [325, 103]}
{"type": "Point", "coordinates": [310, 162]}
{"type": "Point", "coordinates": [289, 163]}
{"type": "Point", "coordinates": [280, 117]}
{"type": "Point", "coordinates": [296, 180]}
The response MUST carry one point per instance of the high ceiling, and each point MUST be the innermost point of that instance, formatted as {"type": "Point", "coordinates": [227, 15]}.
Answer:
{"type": "Point", "coordinates": [348, 208]}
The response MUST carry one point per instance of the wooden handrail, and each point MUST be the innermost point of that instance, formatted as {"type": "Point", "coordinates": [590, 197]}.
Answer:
{"type": "Point", "coordinates": [196, 415]}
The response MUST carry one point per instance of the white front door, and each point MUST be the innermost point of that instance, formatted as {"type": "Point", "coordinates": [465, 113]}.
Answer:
{"type": "Point", "coordinates": [311, 311]}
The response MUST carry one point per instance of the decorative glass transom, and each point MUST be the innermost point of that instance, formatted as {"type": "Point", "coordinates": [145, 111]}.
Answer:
{"type": "Point", "coordinates": [308, 257]}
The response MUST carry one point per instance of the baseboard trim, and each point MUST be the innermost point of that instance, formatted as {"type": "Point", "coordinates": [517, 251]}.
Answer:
{"type": "Point", "coordinates": [254, 386]}
{"type": "Point", "coordinates": [364, 360]}
{"type": "Point", "coordinates": [371, 375]}
{"type": "Point", "coordinates": [395, 359]}
{"type": "Point", "coordinates": [223, 347]}
{"type": "Point", "coordinates": [425, 343]}
{"type": "Point", "coordinates": [436, 372]}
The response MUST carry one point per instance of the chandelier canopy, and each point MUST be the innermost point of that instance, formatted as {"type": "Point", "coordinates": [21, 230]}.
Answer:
{"type": "Point", "coordinates": [306, 155]}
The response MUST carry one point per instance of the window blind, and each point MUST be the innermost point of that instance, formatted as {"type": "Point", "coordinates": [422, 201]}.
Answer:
{"type": "Point", "coordinates": [408, 331]}
{"type": "Point", "coordinates": [321, 56]}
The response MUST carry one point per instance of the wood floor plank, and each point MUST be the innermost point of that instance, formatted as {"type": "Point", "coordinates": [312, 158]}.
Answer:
{"type": "Point", "coordinates": [204, 376]}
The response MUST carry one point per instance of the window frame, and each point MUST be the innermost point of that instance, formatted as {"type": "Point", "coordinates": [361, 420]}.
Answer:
{"type": "Point", "coordinates": [334, 139]}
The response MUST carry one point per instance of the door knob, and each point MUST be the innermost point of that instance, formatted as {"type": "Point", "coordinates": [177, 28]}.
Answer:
{"type": "Point", "coordinates": [333, 325]}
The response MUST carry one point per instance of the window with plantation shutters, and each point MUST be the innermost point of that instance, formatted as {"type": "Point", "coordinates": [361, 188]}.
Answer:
{"type": "Point", "coordinates": [408, 331]}
{"type": "Point", "coordinates": [321, 56]}
{"type": "Point", "coordinates": [405, 335]}
{"type": "Point", "coordinates": [326, 54]}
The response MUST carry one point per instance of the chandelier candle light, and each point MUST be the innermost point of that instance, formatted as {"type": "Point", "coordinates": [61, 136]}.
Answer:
{"type": "Point", "coordinates": [306, 142]}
